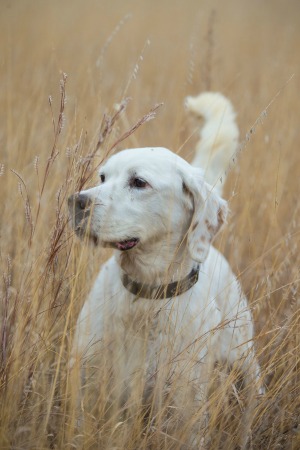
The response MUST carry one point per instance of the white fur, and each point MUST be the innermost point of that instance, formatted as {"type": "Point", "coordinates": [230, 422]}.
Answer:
{"type": "Point", "coordinates": [218, 137]}
{"type": "Point", "coordinates": [175, 218]}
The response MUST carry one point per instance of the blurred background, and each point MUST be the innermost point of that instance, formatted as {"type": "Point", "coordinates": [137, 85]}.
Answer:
{"type": "Point", "coordinates": [247, 50]}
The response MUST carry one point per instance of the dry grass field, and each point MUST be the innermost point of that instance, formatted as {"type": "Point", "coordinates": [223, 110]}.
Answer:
{"type": "Point", "coordinates": [56, 128]}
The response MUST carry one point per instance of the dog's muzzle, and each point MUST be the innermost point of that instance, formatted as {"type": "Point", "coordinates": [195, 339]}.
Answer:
{"type": "Point", "coordinates": [79, 208]}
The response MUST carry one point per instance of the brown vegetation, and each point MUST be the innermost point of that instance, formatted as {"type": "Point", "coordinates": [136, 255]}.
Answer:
{"type": "Point", "coordinates": [122, 58]}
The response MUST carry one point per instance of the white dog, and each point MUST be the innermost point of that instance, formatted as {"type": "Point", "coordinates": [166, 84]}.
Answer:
{"type": "Point", "coordinates": [161, 216]}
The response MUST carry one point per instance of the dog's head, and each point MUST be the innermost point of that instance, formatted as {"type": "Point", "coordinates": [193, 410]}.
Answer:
{"type": "Point", "coordinates": [149, 195]}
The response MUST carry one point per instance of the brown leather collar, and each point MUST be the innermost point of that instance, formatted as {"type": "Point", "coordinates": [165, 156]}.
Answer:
{"type": "Point", "coordinates": [164, 290]}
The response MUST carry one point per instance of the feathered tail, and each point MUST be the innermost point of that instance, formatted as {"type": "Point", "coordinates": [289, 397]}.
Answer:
{"type": "Point", "coordinates": [218, 136]}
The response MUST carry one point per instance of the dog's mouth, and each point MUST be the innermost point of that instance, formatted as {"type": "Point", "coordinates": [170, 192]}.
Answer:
{"type": "Point", "coordinates": [127, 244]}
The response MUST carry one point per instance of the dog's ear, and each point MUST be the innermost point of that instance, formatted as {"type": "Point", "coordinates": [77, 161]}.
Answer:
{"type": "Point", "coordinates": [209, 214]}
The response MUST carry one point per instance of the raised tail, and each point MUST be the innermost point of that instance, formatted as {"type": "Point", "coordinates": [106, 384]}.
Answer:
{"type": "Point", "coordinates": [218, 136]}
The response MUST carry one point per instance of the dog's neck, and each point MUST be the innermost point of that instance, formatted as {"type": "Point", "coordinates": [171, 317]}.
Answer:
{"type": "Point", "coordinates": [157, 262]}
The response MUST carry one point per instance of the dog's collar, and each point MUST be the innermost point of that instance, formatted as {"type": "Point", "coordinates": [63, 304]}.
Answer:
{"type": "Point", "coordinates": [170, 290]}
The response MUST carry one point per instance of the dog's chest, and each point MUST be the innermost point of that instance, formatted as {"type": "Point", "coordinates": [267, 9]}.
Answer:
{"type": "Point", "coordinates": [162, 331]}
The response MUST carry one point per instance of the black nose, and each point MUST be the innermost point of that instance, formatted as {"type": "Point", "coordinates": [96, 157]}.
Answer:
{"type": "Point", "coordinates": [79, 207]}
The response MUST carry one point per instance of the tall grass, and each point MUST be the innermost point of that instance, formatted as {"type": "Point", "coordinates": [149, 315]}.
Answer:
{"type": "Point", "coordinates": [56, 129]}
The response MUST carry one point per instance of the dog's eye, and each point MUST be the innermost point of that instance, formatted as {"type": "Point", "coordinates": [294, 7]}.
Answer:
{"type": "Point", "coordinates": [102, 177]}
{"type": "Point", "coordinates": [138, 183]}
